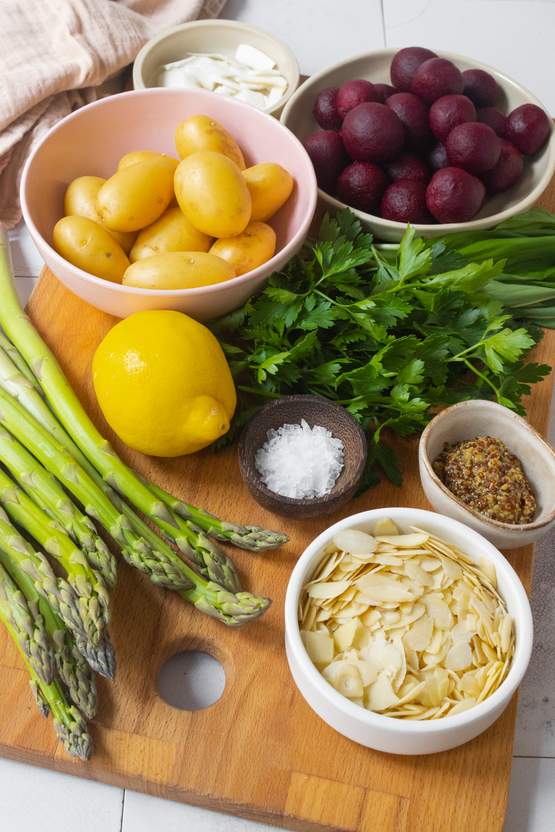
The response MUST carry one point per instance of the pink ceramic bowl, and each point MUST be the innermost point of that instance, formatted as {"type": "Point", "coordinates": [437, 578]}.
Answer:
{"type": "Point", "coordinates": [93, 139]}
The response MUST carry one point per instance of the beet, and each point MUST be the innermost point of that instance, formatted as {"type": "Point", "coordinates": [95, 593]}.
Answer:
{"type": "Point", "coordinates": [481, 87]}
{"type": "Point", "coordinates": [448, 112]}
{"type": "Point", "coordinates": [453, 195]}
{"type": "Point", "coordinates": [414, 115]}
{"type": "Point", "coordinates": [437, 157]}
{"type": "Point", "coordinates": [436, 77]}
{"type": "Point", "coordinates": [506, 172]}
{"type": "Point", "coordinates": [353, 93]}
{"type": "Point", "coordinates": [383, 91]}
{"type": "Point", "coordinates": [361, 185]}
{"type": "Point", "coordinates": [328, 156]}
{"type": "Point", "coordinates": [405, 63]}
{"type": "Point", "coordinates": [405, 201]}
{"type": "Point", "coordinates": [372, 133]}
{"type": "Point", "coordinates": [408, 166]}
{"type": "Point", "coordinates": [528, 128]}
{"type": "Point", "coordinates": [325, 109]}
{"type": "Point", "coordinates": [473, 146]}
{"type": "Point", "coordinates": [494, 119]}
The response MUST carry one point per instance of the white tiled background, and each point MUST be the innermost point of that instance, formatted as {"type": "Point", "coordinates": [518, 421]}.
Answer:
{"type": "Point", "coordinates": [515, 36]}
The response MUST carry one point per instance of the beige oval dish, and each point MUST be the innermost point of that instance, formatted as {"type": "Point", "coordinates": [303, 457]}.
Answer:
{"type": "Point", "coordinates": [385, 733]}
{"type": "Point", "coordinates": [213, 36]}
{"type": "Point", "coordinates": [374, 66]}
{"type": "Point", "coordinates": [478, 418]}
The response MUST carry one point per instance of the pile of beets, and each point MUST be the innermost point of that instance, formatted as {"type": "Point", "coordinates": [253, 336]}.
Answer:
{"type": "Point", "coordinates": [426, 149]}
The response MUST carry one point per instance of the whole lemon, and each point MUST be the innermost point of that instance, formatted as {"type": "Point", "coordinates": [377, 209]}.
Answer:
{"type": "Point", "coordinates": [163, 383]}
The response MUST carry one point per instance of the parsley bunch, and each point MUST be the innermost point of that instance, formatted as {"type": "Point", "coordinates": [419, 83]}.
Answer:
{"type": "Point", "coordinates": [390, 336]}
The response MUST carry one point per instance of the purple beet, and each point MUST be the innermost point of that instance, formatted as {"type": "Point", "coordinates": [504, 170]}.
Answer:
{"type": "Point", "coordinates": [328, 156]}
{"type": "Point", "coordinates": [481, 87]}
{"type": "Point", "coordinates": [361, 185]}
{"type": "Point", "coordinates": [325, 109]}
{"type": "Point", "coordinates": [383, 91]}
{"type": "Point", "coordinates": [437, 157]}
{"type": "Point", "coordinates": [473, 146]}
{"type": "Point", "coordinates": [494, 119]}
{"type": "Point", "coordinates": [353, 93]}
{"type": "Point", "coordinates": [448, 112]}
{"type": "Point", "coordinates": [408, 166]}
{"type": "Point", "coordinates": [405, 201]}
{"type": "Point", "coordinates": [414, 116]}
{"type": "Point", "coordinates": [528, 128]}
{"type": "Point", "coordinates": [507, 171]}
{"type": "Point", "coordinates": [405, 63]}
{"type": "Point", "coordinates": [436, 77]}
{"type": "Point", "coordinates": [372, 133]}
{"type": "Point", "coordinates": [453, 195]}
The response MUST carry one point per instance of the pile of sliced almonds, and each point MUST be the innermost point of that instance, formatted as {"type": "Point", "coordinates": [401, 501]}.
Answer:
{"type": "Point", "coordinates": [406, 625]}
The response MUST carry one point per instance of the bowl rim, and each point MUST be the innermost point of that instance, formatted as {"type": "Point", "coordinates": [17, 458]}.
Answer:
{"type": "Point", "coordinates": [370, 719]}
{"type": "Point", "coordinates": [219, 23]}
{"type": "Point", "coordinates": [433, 228]}
{"type": "Point", "coordinates": [119, 288]}
{"type": "Point", "coordinates": [521, 425]}
{"type": "Point", "coordinates": [321, 502]}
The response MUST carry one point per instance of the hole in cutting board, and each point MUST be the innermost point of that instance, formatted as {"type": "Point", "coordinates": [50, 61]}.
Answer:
{"type": "Point", "coordinates": [191, 680]}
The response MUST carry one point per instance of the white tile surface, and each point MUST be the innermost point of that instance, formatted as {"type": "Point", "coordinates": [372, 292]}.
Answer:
{"type": "Point", "coordinates": [33, 799]}
{"type": "Point", "coordinates": [532, 796]}
{"type": "Point", "coordinates": [515, 36]}
{"type": "Point", "coordinates": [146, 814]}
{"type": "Point", "coordinates": [319, 33]}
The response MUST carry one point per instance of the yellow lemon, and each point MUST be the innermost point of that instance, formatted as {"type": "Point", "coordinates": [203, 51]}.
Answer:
{"type": "Point", "coordinates": [163, 383]}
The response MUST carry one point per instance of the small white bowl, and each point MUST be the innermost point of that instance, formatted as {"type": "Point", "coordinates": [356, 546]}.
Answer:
{"type": "Point", "coordinates": [375, 66]}
{"type": "Point", "coordinates": [223, 36]}
{"type": "Point", "coordinates": [384, 733]}
{"type": "Point", "coordinates": [484, 418]}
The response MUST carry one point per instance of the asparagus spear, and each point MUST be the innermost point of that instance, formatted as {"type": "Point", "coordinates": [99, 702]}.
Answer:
{"type": "Point", "coordinates": [150, 554]}
{"type": "Point", "coordinates": [88, 586]}
{"type": "Point", "coordinates": [68, 722]}
{"type": "Point", "coordinates": [8, 348]}
{"type": "Point", "coordinates": [29, 625]}
{"type": "Point", "coordinates": [14, 550]}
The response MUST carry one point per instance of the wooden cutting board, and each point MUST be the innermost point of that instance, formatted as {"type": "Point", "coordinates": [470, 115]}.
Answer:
{"type": "Point", "coordinates": [259, 752]}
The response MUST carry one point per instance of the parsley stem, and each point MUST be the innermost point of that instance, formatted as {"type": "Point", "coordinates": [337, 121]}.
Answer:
{"type": "Point", "coordinates": [259, 391]}
{"type": "Point", "coordinates": [484, 378]}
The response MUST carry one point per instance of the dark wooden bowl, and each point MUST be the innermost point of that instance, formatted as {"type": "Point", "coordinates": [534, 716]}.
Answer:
{"type": "Point", "coordinates": [315, 410]}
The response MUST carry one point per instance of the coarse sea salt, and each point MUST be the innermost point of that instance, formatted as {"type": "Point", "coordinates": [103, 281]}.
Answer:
{"type": "Point", "coordinates": [300, 461]}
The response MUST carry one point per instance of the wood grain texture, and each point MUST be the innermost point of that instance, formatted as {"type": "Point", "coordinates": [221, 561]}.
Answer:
{"type": "Point", "coordinates": [259, 752]}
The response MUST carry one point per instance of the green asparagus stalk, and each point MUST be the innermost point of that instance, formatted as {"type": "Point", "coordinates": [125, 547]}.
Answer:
{"type": "Point", "coordinates": [92, 595]}
{"type": "Point", "coordinates": [50, 698]}
{"type": "Point", "coordinates": [253, 538]}
{"type": "Point", "coordinates": [8, 348]}
{"type": "Point", "coordinates": [76, 524]}
{"type": "Point", "coordinates": [73, 669]}
{"type": "Point", "coordinates": [150, 554]}
{"type": "Point", "coordinates": [16, 552]}
{"type": "Point", "coordinates": [27, 621]}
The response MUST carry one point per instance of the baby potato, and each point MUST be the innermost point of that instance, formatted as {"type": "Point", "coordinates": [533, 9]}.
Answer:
{"type": "Point", "coordinates": [80, 201]}
{"type": "Point", "coordinates": [178, 270]}
{"type": "Point", "coordinates": [172, 232]}
{"type": "Point", "coordinates": [248, 250]}
{"type": "Point", "coordinates": [270, 187]}
{"type": "Point", "coordinates": [90, 247]}
{"type": "Point", "coordinates": [212, 194]}
{"type": "Point", "coordinates": [136, 196]}
{"type": "Point", "coordinates": [203, 133]}
{"type": "Point", "coordinates": [143, 156]}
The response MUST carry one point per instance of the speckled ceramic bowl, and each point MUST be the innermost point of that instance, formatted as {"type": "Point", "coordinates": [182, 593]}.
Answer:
{"type": "Point", "coordinates": [479, 418]}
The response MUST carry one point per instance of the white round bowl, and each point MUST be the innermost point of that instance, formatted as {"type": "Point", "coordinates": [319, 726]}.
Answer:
{"type": "Point", "coordinates": [375, 66]}
{"type": "Point", "coordinates": [480, 417]}
{"type": "Point", "coordinates": [94, 138]}
{"type": "Point", "coordinates": [223, 36]}
{"type": "Point", "coordinates": [383, 733]}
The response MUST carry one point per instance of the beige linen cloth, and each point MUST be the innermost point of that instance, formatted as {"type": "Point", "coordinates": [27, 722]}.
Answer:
{"type": "Point", "coordinates": [56, 55]}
